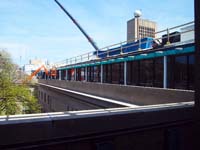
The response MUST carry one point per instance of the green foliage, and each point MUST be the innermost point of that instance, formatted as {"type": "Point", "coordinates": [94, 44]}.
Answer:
{"type": "Point", "coordinates": [14, 99]}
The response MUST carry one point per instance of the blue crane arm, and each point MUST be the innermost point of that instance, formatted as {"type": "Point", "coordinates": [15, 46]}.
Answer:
{"type": "Point", "coordinates": [77, 24]}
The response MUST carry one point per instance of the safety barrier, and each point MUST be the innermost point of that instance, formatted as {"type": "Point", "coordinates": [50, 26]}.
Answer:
{"type": "Point", "coordinates": [163, 36]}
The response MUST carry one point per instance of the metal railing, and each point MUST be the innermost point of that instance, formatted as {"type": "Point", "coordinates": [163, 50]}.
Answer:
{"type": "Point", "coordinates": [119, 47]}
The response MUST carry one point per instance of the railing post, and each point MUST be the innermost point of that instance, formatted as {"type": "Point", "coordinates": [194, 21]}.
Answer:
{"type": "Point", "coordinates": [168, 41]}
{"type": "Point", "coordinates": [125, 72]}
{"type": "Point", "coordinates": [165, 72]}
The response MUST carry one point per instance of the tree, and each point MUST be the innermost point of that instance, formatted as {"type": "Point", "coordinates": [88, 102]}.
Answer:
{"type": "Point", "coordinates": [14, 98]}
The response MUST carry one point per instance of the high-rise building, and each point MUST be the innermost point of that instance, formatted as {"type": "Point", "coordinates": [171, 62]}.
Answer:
{"type": "Point", "coordinates": [146, 28]}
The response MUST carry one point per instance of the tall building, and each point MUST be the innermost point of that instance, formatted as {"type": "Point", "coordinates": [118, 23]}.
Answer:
{"type": "Point", "coordinates": [146, 28]}
{"type": "Point", "coordinates": [33, 65]}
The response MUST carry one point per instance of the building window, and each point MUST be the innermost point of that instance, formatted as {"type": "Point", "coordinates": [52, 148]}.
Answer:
{"type": "Point", "coordinates": [145, 72]}
{"type": "Point", "coordinates": [57, 74]}
{"type": "Point", "coordinates": [191, 72]}
{"type": "Point", "coordinates": [94, 74]}
{"type": "Point", "coordinates": [90, 74]}
{"type": "Point", "coordinates": [78, 74]}
{"type": "Point", "coordinates": [118, 73]}
{"type": "Point", "coordinates": [82, 74]}
{"type": "Point", "coordinates": [158, 72]}
{"type": "Point", "coordinates": [71, 74]}
{"type": "Point", "coordinates": [133, 72]}
{"type": "Point", "coordinates": [180, 74]}
{"type": "Point", "coordinates": [149, 72]}
{"type": "Point", "coordinates": [68, 75]}
{"type": "Point", "coordinates": [107, 73]}
{"type": "Point", "coordinates": [97, 72]}
{"type": "Point", "coordinates": [63, 74]}
{"type": "Point", "coordinates": [181, 71]}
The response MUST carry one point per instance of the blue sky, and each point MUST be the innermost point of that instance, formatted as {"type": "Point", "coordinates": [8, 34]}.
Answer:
{"type": "Point", "coordinates": [39, 29]}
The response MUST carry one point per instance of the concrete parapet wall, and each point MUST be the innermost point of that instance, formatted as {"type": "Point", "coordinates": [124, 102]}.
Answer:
{"type": "Point", "coordinates": [132, 94]}
{"type": "Point", "coordinates": [65, 100]}
{"type": "Point", "coordinates": [123, 128]}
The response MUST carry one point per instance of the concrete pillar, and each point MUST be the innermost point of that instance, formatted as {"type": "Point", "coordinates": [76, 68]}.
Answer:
{"type": "Point", "coordinates": [86, 77]}
{"type": "Point", "coordinates": [66, 77]}
{"type": "Point", "coordinates": [59, 72]}
{"type": "Point", "coordinates": [125, 73]}
{"type": "Point", "coordinates": [165, 72]}
{"type": "Point", "coordinates": [101, 73]}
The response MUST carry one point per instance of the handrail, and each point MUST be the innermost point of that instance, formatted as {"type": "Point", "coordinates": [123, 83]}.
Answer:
{"type": "Point", "coordinates": [175, 27]}
{"type": "Point", "coordinates": [90, 56]}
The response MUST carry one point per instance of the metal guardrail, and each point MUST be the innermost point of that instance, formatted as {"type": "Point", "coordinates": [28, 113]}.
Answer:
{"type": "Point", "coordinates": [119, 46]}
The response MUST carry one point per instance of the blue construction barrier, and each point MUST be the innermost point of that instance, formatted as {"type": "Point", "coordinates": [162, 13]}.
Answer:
{"type": "Point", "coordinates": [146, 43]}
